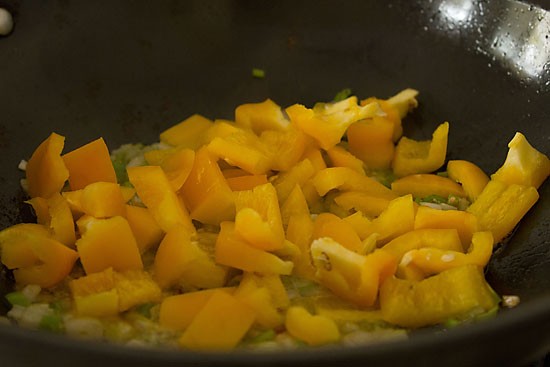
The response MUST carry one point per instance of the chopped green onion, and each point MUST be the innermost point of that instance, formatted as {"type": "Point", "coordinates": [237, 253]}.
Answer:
{"type": "Point", "coordinates": [18, 299]}
{"type": "Point", "coordinates": [341, 95]}
{"type": "Point", "coordinates": [436, 199]}
{"type": "Point", "coordinates": [264, 336]}
{"type": "Point", "coordinates": [258, 73]}
{"type": "Point", "coordinates": [145, 309]}
{"type": "Point", "coordinates": [120, 170]}
{"type": "Point", "coordinates": [52, 323]}
{"type": "Point", "coordinates": [451, 323]}
{"type": "Point", "coordinates": [57, 307]}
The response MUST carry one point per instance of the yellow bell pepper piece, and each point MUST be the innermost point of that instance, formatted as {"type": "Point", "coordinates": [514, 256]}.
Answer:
{"type": "Point", "coordinates": [177, 312]}
{"type": "Point", "coordinates": [135, 287]}
{"type": "Point", "coordinates": [346, 179]}
{"type": "Point", "coordinates": [524, 165]}
{"type": "Point", "coordinates": [206, 193]}
{"type": "Point", "coordinates": [500, 207]}
{"type": "Point", "coordinates": [454, 293]}
{"type": "Point", "coordinates": [328, 123]}
{"type": "Point", "coordinates": [351, 276]}
{"type": "Point", "coordinates": [106, 243]}
{"type": "Point", "coordinates": [404, 101]}
{"type": "Point", "coordinates": [464, 222]}
{"type": "Point", "coordinates": [35, 256]}
{"type": "Point", "coordinates": [155, 191]}
{"type": "Point", "coordinates": [103, 200]}
{"type": "Point", "coordinates": [176, 164]}
{"type": "Point", "coordinates": [258, 218]}
{"type": "Point", "coordinates": [312, 329]}
{"type": "Point", "coordinates": [219, 325]}
{"type": "Point", "coordinates": [413, 156]}
{"type": "Point", "coordinates": [426, 184]}
{"type": "Point", "coordinates": [359, 222]}
{"type": "Point", "coordinates": [233, 251]}
{"type": "Point", "coordinates": [443, 239]}
{"type": "Point", "coordinates": [329, 225]}
{"type": "Point", "coordinates": [298, 175]}
{"type": "Point", "coordinates": [46, 171]}
{"type": "Point", "coordinates": [315, 156]}
{"type": "Point", "coordinates": [470, 176]}
{"type": "Point", "coordinates": [55, 213]}
{"type": "Point", "coordinates": [372, 141]}
{"type": "Point", "coordinates": [246, 182]}
{"type": "Point", "coordinates": [147, 232]}
{"type": "Point", "coordinates": [258, 117]}
{"type": "Point", "coordinates": [340, 157]}
{"type": "Point", "coordinates": [390, 114]}
{"type": "Point", "coordinates": [360, 201]}
{"type": "Point", "coordinates": [295, 204]}
{"type": "Point", "coordinates": [187, 133]}
{"type": "Point", "coordinates": [284, 148]}
{"type": "Point", "coordinates": [396, 219]}
{"type": "Point", "coordinates": [300, 233]}
{"type": "Point", "coordinates": [434, 260]}
{"type": "Point", "coordinates": [88, 164]}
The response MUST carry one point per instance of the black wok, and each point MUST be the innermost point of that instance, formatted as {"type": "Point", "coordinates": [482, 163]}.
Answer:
{"type": "Point", "coordinates": [125, 70]}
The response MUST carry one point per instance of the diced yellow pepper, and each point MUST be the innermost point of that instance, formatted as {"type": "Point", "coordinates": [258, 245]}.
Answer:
{"type": "Point", "coordinates": [206, 193]}
{"type": "Point", "coordinates": [46, 171]}
{"type": "Point", "coordinates": [359, 222]}
{"type": "Point", "coordinates": [232, 251]}
{"type": "Point", "coordinates": [245, 182]}
{"type": "Point", "coordinates": [435, 260]}
{"type": "Point", "coordinates": [426, 184]}
{"type": "Point", "coordinates": [219, 325]}
{"type": "Point", "coordinates": [464, 222]}
{"type": "Point", "coordinates": [329, 225]}
{"type": "Point", "coordinates": [315, 156]}
{"type": "Point", "coordinates": [103, 200]}
{"type": "Point", "coordinates": [106, 243]}
{"type": "Point", "coordinates": [470, 176]}
{"type": "Point", "coordinates": [55, 213]}
{"type": "Point", "coordinates": [413, 156]}
{"type": "Point", "coordinates": [102, 304]}
{"type": "Point", "coordinates": [300, 232]}
{"type": "Point", "coordinates": [88, 164]}
{"type": "Point", "coordinates": [177, 312]}
{"type": "Point", "coordinates": [35, 256]}
{"type": "Point", "coordinates": [284, 148]}
{"type": "Point", "coordinates": [73, 200]}
{"type": "Point", "coordinates": [444, 239]}
{"type": "Point", "coordinates": [258, 117]}
{"type": "Point", "coordinates": [298, 175]}
{"type": "Point", "coordinates": [187, 133]}
{"type": "Point", "coordinates": [295, 204]}
{"type": "Point", "coordinates": [135, 287]}
{"type": "Point", "coordinates": [404, 101]}
{"type": "Point", "coordinates": [372, 141]}
{"type": "Point", "coordinates": [454, 293]}
{"type": "Point", "coordinates": [312, 329]}
{"type": "Point", "coordinates": [258, 218]}
{"type": "Point", "coordinates": [366, 203]}
{"type": "Point", "coordinates": [144, 227]}
{"type": "Point", "coordinates": [396, 219]}
{"type": "Point", "coordinates": [176, 164]}
{"type": "Point", "coordinates": [500, 207]}
{"type": "Point", "coordinates": [390, 114]}
{"type": "Point", "coordinates": [340, 157]}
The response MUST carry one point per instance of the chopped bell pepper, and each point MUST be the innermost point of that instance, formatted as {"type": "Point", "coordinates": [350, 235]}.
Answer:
{"type": "Point", "coordinates": [176, 164]}
{"type": "Point", "coordinates": [454, 293]}
{"type": "Point", "coordinates": [55, 213]}
{"type": "Point", "coordinates": [330, 225]}
{"type": "Point", "coordinates": [371, 141]}
{"type": "Point", "coordinates": [524, 165]}
{"type": "Point", "coordinates": [312, 329]}
{"type": "Point", "coordinates": [404, 101]}
{"type": "Point", "coordinates": [284, 148]}
{"type": "Point", "coordinates": [391, 115]}
{"type": "Point", "coordinates": [106, 243]}
{"type": "Point", "coordinates": [144, 227]}
{"type": "Point", "coordinates": [246, 182]}
{"type": "Point", "coordinates": [470, 176]}
{"type": "Point", "coordinates": [88, 164]}
{"type": "Point", "coordinates": [187, 133]}
{"type": "Point", "coordinates": [155, 191]}
{"type": "Point", "coordinates": [366, 203]}
{"type": "Point", "coordinates": [413, 156]}
{"type": "Point", "coordinates": [298, 175]}
{"type": "Point", "coordinates": [295, 204]}
{"type": "Point", "coordinates": [135, 287]}
{"type": "Point", "coordinates": [500, 207]}
{"type": "Point", "coordinates": [443, 239]}
{"type": "Point", "coordinates": [300, 232]}
{"type": "Point", "coordinates": [206, 193]}
{"type": "Point", "coordinates": [426, 184]}
{"type": "Point", "coordinates": [46, 171]}
{"type": "Point", "coordinates": [258, 117]}
{"type": "Point", "coordinates": [340, 157]}
{"type": "Point", "coordinates": [359, 222]}
{"type": "Point", "coordinates": [219, 325]}
{"type": "Point", "coordinates": [103, 200]}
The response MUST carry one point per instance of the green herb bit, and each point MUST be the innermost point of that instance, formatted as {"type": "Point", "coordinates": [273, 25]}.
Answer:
{"type": "Point", "coordinates": [258, 73]}
{"type": "Point", "coordinates": [436, 199]}
{"type": "Point", "coordinates": [52, 323]}
{"type": "Point", "coordinates": [145, 309]}
{"type": "Point", "coordinates": [263, 336]}
{"type": "Point", "coordinates": [343, 94]}
{"type": "Point", "coordinates": [18, 299]}
{"type": "Point", "coordinates": [451, 323]}
{"type": "Point", "coordinates": [120, 170]}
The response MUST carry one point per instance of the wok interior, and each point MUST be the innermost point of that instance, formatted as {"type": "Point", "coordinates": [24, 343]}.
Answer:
{"type": "Point", "coordinates": [127, 72]}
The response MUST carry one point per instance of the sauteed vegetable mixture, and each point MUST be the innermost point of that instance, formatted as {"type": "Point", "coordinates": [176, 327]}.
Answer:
{"type": "Point", "coordinates": [306, 226]}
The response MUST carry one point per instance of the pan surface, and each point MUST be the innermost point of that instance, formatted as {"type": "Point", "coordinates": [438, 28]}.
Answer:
{"type": "Point", "coordinates": [127, 70]}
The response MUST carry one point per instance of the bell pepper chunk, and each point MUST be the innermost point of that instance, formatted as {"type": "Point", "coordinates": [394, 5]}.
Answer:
{"type": "Point", "coordinates": [351, 276]}
{"type": "Point", "coordinates": [464, 222]}
{"type": "Point", "coordinates": [404, 101]}
{"type": "Point", "coordinates": [330, 225]}
{"type": "Point", "coordinates": [413, 156]}
{"type": "Point", "coordinates": [443, 239]}
{"type": "Point", "coordinates": [232, 250]}
{"type": "Point", "coordinates": [46, 171]}
{"type": "Point", "coordinates": [328, 123]}
{"type": "Point", "coordinates": [426, 184]}
{"type": "Point", "coordinates": [56, 214]}
{"type": "Point", "coordinates": [524, 165]}
{"type": "Point", "coordinates": [372, 141]}
{"type": "Point", "coordinates": [135, 287]}
{"type": "Point", "coordinates": [360, 201]}
{"type": "Point", "coordinates": [35, 256]}
{"type": "Point", "coordinates": [246, 182]}
{"type": "Point", "coordinates": [155, 191]}
{"type": "Point", "coordinates": [106, 243]}
{"type": "Point", "coordinates": [340, 157]}
{"type": "Point", "coordinates": [434, 260]}
{"type": "Point", "coordinates": [298, 175]}
{"type": "Point", "coordinates": [103, 200]}
{"type": "Point", "coordinates": [219, 325]}
{"type": "Point", "coordinates": [258, 218]}
{"type": "Point", "coordinates": [471, 177]}
{"type": "Point", "coordinates": [186, 133]}
{"type": "Point", "coordinates": [295, 204]}
{"type": "Point", "coordinates": [454, 293]}
{"type": "Point", "coordinates": [177, 165]}
{"type": "Point", "coordinates": [145, 228]}
{"type": "Point", "coordinates": [206, 192]}
{"type": "Point", "coordinates": [312, 329]}
{"type": "Point", "coordinates": [258, 117]}
{"type": "Point", "coordinates": [88, 164]}
{"type": "Point", "coordinates": [284, 148]}
{"type": "Point", "coordinates": [300, 232]}
{"type": "Point", "coordinates": [500, 207]}
{"type": "Point", "coordinates": [359, 223]}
